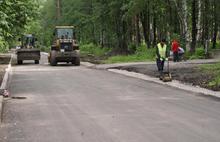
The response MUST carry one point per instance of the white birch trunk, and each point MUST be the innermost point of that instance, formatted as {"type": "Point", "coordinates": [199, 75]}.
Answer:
{"type": "Point", "coordinates": [183, 15]}
{"type": "Point", "coordinates": [186, 25]}
{"type": "Point", "coordinates": [199, 21]}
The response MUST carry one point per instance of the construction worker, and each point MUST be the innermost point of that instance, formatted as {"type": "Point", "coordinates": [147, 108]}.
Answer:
{"type": "Point", "coordinates": [162, 54]}
{"type": "Point", "coordinates": [175, 50]}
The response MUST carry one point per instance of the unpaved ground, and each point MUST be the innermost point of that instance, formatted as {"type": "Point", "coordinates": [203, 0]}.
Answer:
{"type": "Point", "coordinates": [93, 59]}
{"type": "Point", "coordinates": [187, 73]}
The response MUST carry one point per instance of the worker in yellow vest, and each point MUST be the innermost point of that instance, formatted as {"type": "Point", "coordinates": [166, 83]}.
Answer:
{"type": "Point", "coordinates": [161, 55]}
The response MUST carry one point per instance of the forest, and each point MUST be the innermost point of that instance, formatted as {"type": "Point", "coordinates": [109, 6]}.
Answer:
{"type": "Point", "coordinates": [120, 25]}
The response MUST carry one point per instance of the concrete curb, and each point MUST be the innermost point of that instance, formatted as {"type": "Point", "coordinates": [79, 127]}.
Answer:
{"type": "Point", "coordinates": [108, 66]}
{"type": "Point", "coordinates": [45, 53]}
{"type": "Point", "coordinates": [8, 72]}
{"type": "Point", "coordinates": [1, 108]}
{"type": "Point", "coordinates": [5, 85]}
{"type": "Point", "coordinates": [87, 64]}
{"type": "Point", "coordinates": [174, 83]}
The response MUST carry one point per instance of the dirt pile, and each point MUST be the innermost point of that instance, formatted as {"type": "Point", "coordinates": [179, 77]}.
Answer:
{"type": "Point", "coordinates": [92, 59]}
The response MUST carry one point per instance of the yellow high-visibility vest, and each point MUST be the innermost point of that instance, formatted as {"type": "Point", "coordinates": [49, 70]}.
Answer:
{"type": "Point", "coordinates": [162, 50]}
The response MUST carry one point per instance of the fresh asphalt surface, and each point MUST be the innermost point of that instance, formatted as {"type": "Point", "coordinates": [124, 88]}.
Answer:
{"type": "Point", "coordinates": [78, 104]}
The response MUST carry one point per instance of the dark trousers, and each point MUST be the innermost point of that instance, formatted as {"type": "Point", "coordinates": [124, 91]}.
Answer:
{"type": "Point", "coordinates": [176, 56]}
{"type": "Point", "coordinates": [160, 65]}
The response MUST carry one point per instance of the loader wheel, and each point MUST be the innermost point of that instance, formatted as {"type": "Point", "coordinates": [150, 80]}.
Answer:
{"type": "Point", "coordinates": [53, 61]}
{"type": "Point", "coordinates": [76, 61]}
{"type": "Point", "coordinates": [20, 62]}
{"type": "Point", "coordinates": [36, 61]}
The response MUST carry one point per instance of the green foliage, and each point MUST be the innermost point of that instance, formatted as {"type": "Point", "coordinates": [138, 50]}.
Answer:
{"type": "Point", "coordinates": [199, 54]}
{"type": "Point", "coordinates": [3, 46]}
{"type": "Point", "coordinates": [132, 48]}
{"type": "Point", "coordinates": [91, 49]}
{"type": "Point", "coordinates": [15, 14]}
{"type": "Point", "coordinates": [142, 54]}
{"type": "Point", "coordinates": [218, 44]}
{"type": "Point", "coordinates": [117, 23]}
{"type": "Point", "coordinates": [215, 82]}
{"type": "Point", "coordinates": [175, 36]}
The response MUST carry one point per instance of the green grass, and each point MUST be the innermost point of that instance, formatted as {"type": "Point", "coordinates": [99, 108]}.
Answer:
{"type": "Point", "coordinates": [93, 50]}
{"type": "Point", "coordinates": [141, 54]}
{"type": "Point", "coordinates": [199, 54]}
{"type": "Point", "coordinates": [218, 44]}
{"type": "Point", "coordinates": [213, 69]}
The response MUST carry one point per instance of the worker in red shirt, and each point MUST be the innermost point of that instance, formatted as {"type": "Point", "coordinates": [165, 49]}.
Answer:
{"type": "Point", "coordinates": [175, 49]}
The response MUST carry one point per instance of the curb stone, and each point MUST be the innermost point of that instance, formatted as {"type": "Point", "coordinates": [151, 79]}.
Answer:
{"type": "Point", "coordinates": [108, 66]}
{"type": "Point", "coordinates": [8, 72]}
{"type": "Point", "coordinates": [1, 105]}
{"type": "Point", "coordinates": [87, 64]}
{"type": "Point", "coordinates": [174, 83]}
{"type": "Point", "coordinates": [4, 85]}
{"type": "Point", "coordinates": [45, 53]}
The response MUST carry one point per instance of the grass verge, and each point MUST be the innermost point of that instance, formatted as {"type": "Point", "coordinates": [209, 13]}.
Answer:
{"type": "Point", "coordinates": [91, 49]}
{"type": "Point", "coordinates": [141, 54]}
{"type": "Point", "coordinates": [213, 69]}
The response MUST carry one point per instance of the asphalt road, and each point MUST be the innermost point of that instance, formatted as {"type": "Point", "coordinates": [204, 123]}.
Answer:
{"type": "Point", "coordinates": [78, 104]}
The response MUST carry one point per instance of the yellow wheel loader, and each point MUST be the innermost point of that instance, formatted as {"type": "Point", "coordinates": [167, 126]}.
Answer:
{"type": "Point", "coordinates": [64, 47]}
{"type": "Point", "coordinates": [27, 50]}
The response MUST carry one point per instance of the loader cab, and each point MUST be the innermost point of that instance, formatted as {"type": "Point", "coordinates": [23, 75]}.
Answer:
{"type": "Point", "coordinates": [28, 41]}
{"type": "Point", "coordinates": [64, 32]}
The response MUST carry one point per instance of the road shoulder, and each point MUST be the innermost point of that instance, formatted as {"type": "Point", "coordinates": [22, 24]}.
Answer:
{"type": "Point", "coordinates": [175, 83]}
{"type": "Point", "coordinates": [4, 84]}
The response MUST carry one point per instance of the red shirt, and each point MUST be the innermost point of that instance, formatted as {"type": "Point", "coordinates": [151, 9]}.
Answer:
{"type": "Point", "coordinates": [175, 46]}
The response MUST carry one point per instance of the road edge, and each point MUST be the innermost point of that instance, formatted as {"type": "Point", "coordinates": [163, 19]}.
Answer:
{"type": "Point", "coordinates": [174, 83]}
{"type": "Point", "coordinates": [1, 108]}
{"type": "Point", "coordinates": [4, 85]}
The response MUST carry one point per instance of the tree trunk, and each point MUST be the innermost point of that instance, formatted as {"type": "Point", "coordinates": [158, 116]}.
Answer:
{"type": "Point", "coordinates": [138, 35]}
{"type": "Point", "coordinates": [93, 33]}
{"type": "Point", "coordinates": [143, 21]}
{"type": "Point", "coordinates": [183, 20]}
{"type": "Point", "coordinates": [148, 25]}
{"type": "Point", "coordinates": [185, 25]}
{"type": "Point", "coordinates": [121, 31]}
{"type": "Point", "coordinates": [215, 24]}
{"type": "Point", "coordinates": [194, 28]}
{"type": "Point", "coordinates": [148, 29]}
{"type": "Point", "coordinates": [199, 27]}
{"type": "Point", "coordinates": [124, 44]}
{"type": "Point", "coordinates": [206, 24]}
{"type": "Point", "coordinates": [58, 9]}
{"type": "Point", "coordinates": [155, 30]}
